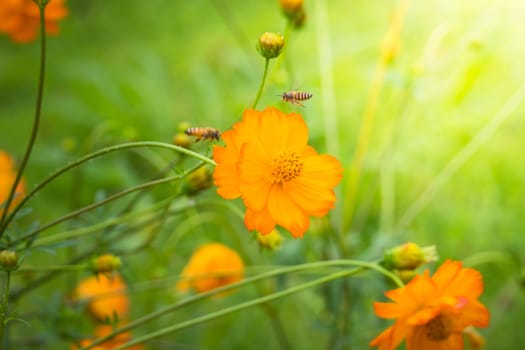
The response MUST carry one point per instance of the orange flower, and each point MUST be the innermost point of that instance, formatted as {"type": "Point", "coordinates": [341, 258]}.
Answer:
{"type": "Point", "coordinates": [105, 296]}
{"type": "Point", "coordinates": [281, 179]}
{"type": "Point", "coordinates": [20, 19]}
{"type": "Point", "coordinates": [102, 331]}
{"type": "Point", "coordinates": [7, 178]}
{"type": "Point", "coordinates": [432, 312]}
{"type": "Point", "coordinates": [211, 266]}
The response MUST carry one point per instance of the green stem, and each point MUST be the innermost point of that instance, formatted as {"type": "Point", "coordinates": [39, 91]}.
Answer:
{"type": "Point", "coordinates": [133, 220]}
{"type": "Point", "coordinates": [96, 205]}
{"type": "Point", "coordinates": [241, 306]}
{"type": "Point", "coordinates": [3, 308]}
{"type": "Point", "coordinates": [250, 280]}
{"type": "Point", "coordinates": [36, 121]}
{"type": "Point", "coordinates": [96, 154]}
{"type": "Point", "coordinates": [261, 86]}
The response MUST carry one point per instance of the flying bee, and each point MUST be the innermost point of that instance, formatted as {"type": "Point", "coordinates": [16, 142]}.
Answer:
{"type": "Point", "coordinates": [203, 133]}
{"type": "Point", "coordinates": [295, 96]}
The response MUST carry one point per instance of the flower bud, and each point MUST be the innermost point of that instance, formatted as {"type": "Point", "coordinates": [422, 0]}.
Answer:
{"type": "Point", "coordinates": [182, 140]}
{"type": "Point", "coordinates": [299, 19]}
{"type": "Point", "coordinates": [405, 275]}
{"type": "Point", "coordinates": [409, 256]}
{"type": "Point", "coordinates": [291, 8]}
{"type": "Point", "coordinates": [183, 126]}
{"type": "Point", "coordinates": [270, 241]}
{"type": "Point", "coordinates": [270, 44]}
{"type": "Point", "coordinates": [198, 180]}
{"type": "Point", "coordinates": [8, 260]}
{"type": "Point", "coordinates": [105, 263]}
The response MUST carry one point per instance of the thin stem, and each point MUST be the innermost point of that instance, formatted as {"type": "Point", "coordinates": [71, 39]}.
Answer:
{"type": "Point", "coordinates": [36, 121]}
{"type": "Point", "coordinates": [369, 115]}
{"type": "Point", "coordinates": [96, 154]}
{"type": "Point", "coordinates": [241, 306]}
{"type": "Point", "coordinates": [261, 86]}
{"type": "Point", "coordinates": [278, 271]}
{"type": "Point", "coordinates": [3, 308]}
{"type": "Point", "coordinates": [96, 205]}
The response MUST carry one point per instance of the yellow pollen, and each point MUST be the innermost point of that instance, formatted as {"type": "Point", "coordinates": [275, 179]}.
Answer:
{"type": "Point", "coordinates": [285, 167]}
{"type": "Point", "coordinates": [439, 328]}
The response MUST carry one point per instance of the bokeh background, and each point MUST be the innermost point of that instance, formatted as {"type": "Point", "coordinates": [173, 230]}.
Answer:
{"type": "Point", "coordinates": [444, 163]}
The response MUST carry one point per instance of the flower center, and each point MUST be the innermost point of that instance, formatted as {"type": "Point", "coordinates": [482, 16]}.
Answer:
{"type": "Point", "coordinates": [286, 167]}
{"type": "Point", "coordinates": [439, 328]}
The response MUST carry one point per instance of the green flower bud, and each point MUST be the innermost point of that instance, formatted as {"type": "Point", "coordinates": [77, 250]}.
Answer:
{"type": "Point", "coordinates": [8, 260]}
{"type": "Point", "coordinates": [199, 180]}
{"type": "Point", "coordinates": [405, 275]}
{"type": "Point", "coordinates": [270, 241]}
{"type": "Point", "coordinates": [270, 44]}
{"type": "Point", "coordinates": [182, 140]}
{"type": "Point", "coordinates": [183, 126]}
{"type": "Point", "coordinates": [409, 256]}
{"type": "Point", "coordinates": [105, 263]}
{"type": "Point", "coordinates": [299, 19]}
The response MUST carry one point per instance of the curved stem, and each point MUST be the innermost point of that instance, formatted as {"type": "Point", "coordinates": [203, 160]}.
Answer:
{"type": "Point", "coordinates": [36, 121]}
{"type": "Point", "coordinates": [241, 306]}
{"type": "Point", "coordinates": [96, 154]}
{"type": "Point", "coordinates": [261, 86]}
{"type": "Point", "coordinates": [250, 280]}
{"type": "Point", "coordinates": [98, 204]}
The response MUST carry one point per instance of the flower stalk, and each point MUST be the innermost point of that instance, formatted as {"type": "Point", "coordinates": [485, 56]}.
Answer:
{"type": "Point", "coordinates": [97, 154]}
{"type": "Point", "coordinates": [96, 205]}
{"type": "Point", "coordinates": [261, 85]}
{"type": "Point", "coordinates": [360, 266]}
{"type": "Point", "coordinates": [38, 112]}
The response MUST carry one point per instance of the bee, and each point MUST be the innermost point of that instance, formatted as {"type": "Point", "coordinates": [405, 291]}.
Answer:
{"type": "Point", "coordinates": [203, 133]}
{"type": "Point", "coordinates": [295, 96]}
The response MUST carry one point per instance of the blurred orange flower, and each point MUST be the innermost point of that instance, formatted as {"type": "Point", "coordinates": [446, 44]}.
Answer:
{"type": "Point", "coordinates": [432, 312]}
{"type": "Point", "coordinates": [20, 19]}
{"type": "Point", "coordinates": [118, 340]}
{"type": "Point", "coordinates": [105, 296]}
{"type": "Point", "coordinates": [7, 178]}
{"type": "Point", "coordinates": [281, 179]}
{"type": "Point", "coordinates": [211, 266]}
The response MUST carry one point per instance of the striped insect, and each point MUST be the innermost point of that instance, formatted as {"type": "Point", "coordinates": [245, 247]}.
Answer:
{"type": "Point", "coordinates": [203, 133]}
{"type": "Point", "coordinates": [294, 97]}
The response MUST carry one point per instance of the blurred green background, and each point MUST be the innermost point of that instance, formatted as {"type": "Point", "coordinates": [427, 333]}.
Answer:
{"type": "Point", "coordinates": [444, 164]}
